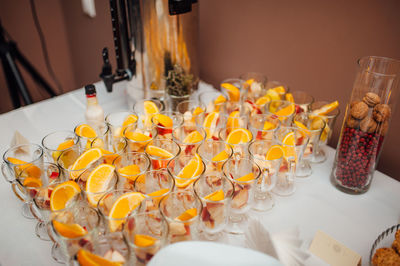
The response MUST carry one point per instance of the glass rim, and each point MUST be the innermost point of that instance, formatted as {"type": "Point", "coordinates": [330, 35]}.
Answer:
{"type": "Point", "coordinates": [367, 59]}
{"type": "Point", "coordinates": [266, 106]}
{"type": "Point", "coordinates": [106, 119]}
{"type": "Point", "coordinates": [162, 140]}
{"type": "Point", "coordinates": [223, 138]}
{"type": "Point", "coordinates": [154, 134]}
{"type": "Point", "coordinates": [312, 99]}
{"type": "Point", "coordinates": [73, 201]}
{"type": "Point", "coordinates": [161, 104]}
{"type": "Point", "coordinates": [103, 197]}
{"type": "Point", "coordinates": [170, 189]}
{"type": "Point", "coordinates": [76, 139]}
{"type": "Point", "coordinates": [292, 128]}
{"type": "Point", "coordinates": [252, 155]}
{"type": "Point", "coordinates": [103, 134]}
{"type": "Point", "coordinates": [227, 146]}
{"type": "Point", "coordinates": [226, 197]}
{"type": "Point", "coordinates": [243, 182]}
{"type": "Point", "coordinates": [9, 150]}
{"type": "Point", "coordinates": [335, 113]}
{"type": "Point", "coordinates": [174, 126]}
{"type": "Point", "coordinates": [181, 143]}
{"type": "Point", "coordinates": [19, 177]}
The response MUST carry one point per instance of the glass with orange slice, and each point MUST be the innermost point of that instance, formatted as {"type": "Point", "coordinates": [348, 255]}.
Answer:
{"type": "Point", "coordinates": [255, 84]}
{"type": "Point", "coordinates": [107, 250]}
{"type": "Point", "coordinates": [110, 150]}
{"type": "Point", "coordinates": [181, 210]}
{"type": "Point", "coordinates": [214, 154]}
{"type": "Point", "coordinates": [166, 122]}
{"type": "Point", "coordinates": [146, 233]}
{"type": "Point", "coordinates": [268, 155]}
{"type": "Point", "coordinates": [188, 139]}
{"type": "Point", "coordinates": [238, 138]}
{"type": "Point", "coordinates": [186, 169]}
{"type": "Point", "coordinates": [115, 206]}
{"type": "Point", "coordinates": [138, 138]}
{"type": "Point", "coordinates": [26, 185]}
{"type": "Point", "coordinates": [75, 228]}
{"type": "Point", "coordinates": [244, 174]}
{"type": "Point", "coordinates": [235, 89]}
{"type": "Point", "coordinates": [97, 181]}
{"type": "Point", "coordinates": [161, 151]}
{"type": "Point", "coordinates": [145, 109]}
{"type": "Point", "coordinates": [215, 192]}
{"type": "Point", "coordinates": [302, 99]}
{"type": "Point", "coordinates": [263, 126]}
{"type": "Point", "coordinates": [213, 101]}
{"type": "Point", "coordinates": [313, 126]}
{"type": "Point", "coordinates": [277, 86]}
{"type": "Point", "coordinates": [119, 121]}
{"type": "Point", "coordinates": [56, 142]}
{"type": "Point", "coordinates": [190, 109]}
{"type": "Point", "coordinates": [53, 197]}
{"type": "Point", "coordinates": [284, 110]}
{"type": "Point", "coordinates": [293, 141]}
{"type": "Point", "coordinates": [19, 157]}
{"type": "Point", "coordinates": [87, 134]}
{"type": "Point", "coordinates": [154, 184]}
{"type": "Point", "coordinates": [328, 111]}
{"type": "Point", "coordinates": [129, 166]}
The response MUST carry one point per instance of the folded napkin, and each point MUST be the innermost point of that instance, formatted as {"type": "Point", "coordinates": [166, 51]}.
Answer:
{"type": "Point", "coordinates": [18, 139]}
{"type": "Point", "coordinates": [284, 246]}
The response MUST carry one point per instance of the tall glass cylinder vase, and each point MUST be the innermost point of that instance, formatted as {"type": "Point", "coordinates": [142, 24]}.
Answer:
{"type": "Point", "coordinates": [366, 123]}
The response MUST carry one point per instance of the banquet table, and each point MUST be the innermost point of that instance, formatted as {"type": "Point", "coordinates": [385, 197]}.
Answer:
{"type": "Point", "coordinates": [353, 220]}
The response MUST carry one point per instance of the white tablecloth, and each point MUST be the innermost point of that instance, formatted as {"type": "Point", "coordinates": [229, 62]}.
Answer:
{"type": "Point", "coordinates": [354, 220]}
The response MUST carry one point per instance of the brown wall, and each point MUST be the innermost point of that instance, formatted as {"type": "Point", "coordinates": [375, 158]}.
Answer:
{"type": "Point", "coordinates": [311, 45]}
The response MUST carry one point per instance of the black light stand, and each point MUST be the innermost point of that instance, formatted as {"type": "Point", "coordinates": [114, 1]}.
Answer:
{"type": "Point", "coordinates": [9, 54]}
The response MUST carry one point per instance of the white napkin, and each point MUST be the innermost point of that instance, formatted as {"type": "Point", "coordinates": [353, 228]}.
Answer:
{"type": "Point", "coordinates": [89, 8]}
{"type": "Point", "coordinates": [284, 246]}
{"type": "Point", "coordinates": [18, 139]}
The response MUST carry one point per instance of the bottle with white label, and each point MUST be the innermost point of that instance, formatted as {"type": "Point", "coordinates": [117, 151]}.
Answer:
{"type": "Point", "coordinates": [94, 114]}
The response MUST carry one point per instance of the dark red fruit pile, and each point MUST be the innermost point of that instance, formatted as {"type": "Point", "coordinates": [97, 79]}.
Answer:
{"type": "Point", "coordinates": [356, 157]}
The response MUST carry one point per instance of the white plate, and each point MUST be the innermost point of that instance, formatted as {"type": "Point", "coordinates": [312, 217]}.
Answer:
{"type": "Point", "coordinates": [196, 253]}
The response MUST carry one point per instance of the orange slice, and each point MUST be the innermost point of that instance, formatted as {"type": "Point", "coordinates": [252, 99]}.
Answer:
{"type": "Point", "coordinates": [286, 111]}
{"type": "Point", "coordinates": [197, 111]}
{"type": "Point", "coordinates": [216, 196]}
{"type": "Point", "coordinates": [192, 169]}
{"type": "Point", "coordinates": [164, 120]}
{"type": "Point", "coordinates": [158, 152]}
{"type": "Point", "coordinates": [84, 160]}
{"type": "Point", "coordinates": [86, 258]}
{"type": "Point", "coordinates": [85, 131]}
{"type": "Point", "coordinates": [302, 126]}
{"type": "Point", "coordinates": [130, 119]}
{"type": "Point", "coordinates": [263, 100]}
{"type": "Point", "coordinates": [289, 97]}
{"type": "Point", "coordinates": [250, 81]}
{"type": "Point", "coordinates": [220, 99]}
{"type": "Point", "coordinates": [150, 108]}
{"type": "Point", "coordinates": [326, 109]}
{"type": "Point", "coordinates": [132, 169]}
{"type": "Point", "coordinates": [268, 125]}
{"type": "Point", "coordinates": [158, 193]}
{"type": "Point", "coordinates": [273, 94]}
{"type": "Point", "coordinates": [274, 152]}
{"type": "Point", "coordinates": [187, 215]}
{"type": "Point", "coordinates": [32, 171]}
{"type": "Point", "coordinates": [279, 89]}
{"type": "Point", "coordinates": [222, 156]}
{"type": "Point", "coordinates": [246, 178]}
{"type": "Point", "coordinates": [144, 240]}
{"type": "Point", "coordinates": [210, 123]}
{"type": "Point", "coordinates": [98, 182]}
{"type": "Point", "coordinates": [233, 91]}
{"type": "Point", "coordinates": [69, 230]}
{"type": "Point", "coordinates": [62, 194]}
{"type": "Point", "coordinates": [137, 136]}
{"type": "Point", "coordinates": [239, 135]}
{"type": "Point", "coordinates": [63, 146]}
{"type": "Point", "coordinates": [122, 207]}
{"type": "Point", "coordinates": [32, 182]}
{"type": "Point", "coordinates": [288, 139]}
{"type": "Point", "coordinates": [193, 137]}
{"type": "Point", "coordinates": [233, 121]}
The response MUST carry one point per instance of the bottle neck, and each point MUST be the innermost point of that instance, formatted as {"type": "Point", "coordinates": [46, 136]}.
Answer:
{"type": "Point", "coordinates": [91, 99]}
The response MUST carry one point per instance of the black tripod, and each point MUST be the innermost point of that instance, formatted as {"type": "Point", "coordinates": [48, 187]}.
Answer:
{"type": "Point", "coordinates": [9, 54]}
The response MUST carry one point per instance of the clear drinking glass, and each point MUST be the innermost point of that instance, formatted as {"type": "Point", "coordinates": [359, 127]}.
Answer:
{"type": "Point", "coordinates": [175, 168]}
{"type": "Point", "coordinates": [293, 141]}
{"type": "Point", "coordinates": [106, 205]}
{"type": "Point", "coordinates": [273, 84]}
{"type": "Point", "coordinates": [214, 154]}
{"type": "Point", "coordinates": [214, 101]}
{"type": "Point", "coordinates": [102, 136]}
{"type": "Point", "coordinates": [303, 100]}
{"type": "Point", "coordinates": [145, 117]}
{"type": "Point", "coordinates": [138, 138]}
{"type": "Point", "coordinates": [215, 192]}
{"type": "Point", "coordinates": [57, 142]}
{"type": "Point", "coordinates": [313, 126]}
{"type": "Point", "coordinates": [161, 151]}
{"type": "Point", "coordinates": [189, 139]}
{"type": "Point", "coordinates": [155, 184]}
{"type": "Point", "coordinates": [330, 120]}
{"type": "Point", "coordinates": [146, 233]}
{"type": "Point", "coordinates": [181, 210]}
{"type": "Point", "coordinates": [255, 84]}
{"type": "Point", "coordinates": [118, 121]}
{"type": "Point", "coordinates": [240, 149]}
{"type": "Point", "coordinates": [19, 157]}
{"type": "Point", "coordinates": [26, 186]}
{"type": "Point", "coordinates": [239, 84]}
{"type": "Point", "coordinates": [163, 130]}
{"type": "Point", "coordinates": [129, 166]}
{"type": "Point", "coordinates": [244, 174]}
{"type": "Point", "coordinates": [67, 159]}
{"type": "Point", "coordinates": [86, 222]}
{"type": "Point", "coordinates": [284, 110]}
{"type": "Point", "coordinates": [263, 126]}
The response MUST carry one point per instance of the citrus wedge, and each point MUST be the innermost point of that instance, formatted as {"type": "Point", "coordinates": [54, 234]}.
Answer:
{"type": "Point", "coordinates": [129, 170]}
{"type": "Point", "coordinates": [69, 230]}
{"type": "Point", "coordinates": [85, 131]}
{"type": "Point", "coordinates": [326, 109]}
{"type": "Point", "coordinates": [268, 125]}
{"type": "Point", "coordinates": [144, 240]}
{"type": "Point", "coordinates": [187, 215]}
{"type": "Point", "coordinates": [150, 108]}
{"type": "Point", "coordinates": [302, 126]}
{"type": "Point", "coordinates": [239, 135]}
{"type": "Point", "coordinates": [274, 152]}
{"type": "Point", "coordinates": [98, 182]}
{"type": "Point", "coordinates": [288, 139]}
{"type": "Point", "coordinates": [222, 156]}
{"type": "Point", "coordinates": [233, 121]}
{"type": "Point", "coordinates": [158, 193]}
{"type": "Point", "coordinates": [85, 160]}
{"type": "Point", "coordinates": [246, 178]}
{"type": "Point", "coordinates": [250, 81]}
{"type": "Point", "coordinates": [286, 111]}
{"type": "Point", "coordinates": [137, 136]}
{"type": "Point", "coordinates": [158, 152]}
{"type": "Point", "coordinates": [197, 111]}
{"type": "Point", "coordinates": [220, 99]}
{"type": "Point", "coordinates": [86, 258]}
{"type": "Point", "coordinates": [32, 171]}
{"type": "Point", "coordinates": [32, 182]}
{"type": "Point", "coordinates": [192, 169]}
{"type": "Point", "coordinates": [279, 89]}
{"type": "Point", "coordinates": [273, 94]}
{"type": "Point", "coordinates": [122, 207]}
{"type": "Point", "coordinates": [62, 194]}
{"type": "Point", "coordinates": [63, 146]}
{"type": "Point", "coordinates": [289, 97]}
{"type": "Point", "coordinates": [193, 137]}
{"type": "Point", "coordinates": [210, 123]}
{"type": "Point", "coordinates": [216, 196]}
{"type": "Point", "coordinates": [263, 100]}
{"type": "Point", "coordinates": [163, 120]}
{"type": "Point", "coordinates": [130, 119]}
{"type": "Point", "coordinates": [233, 91]}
